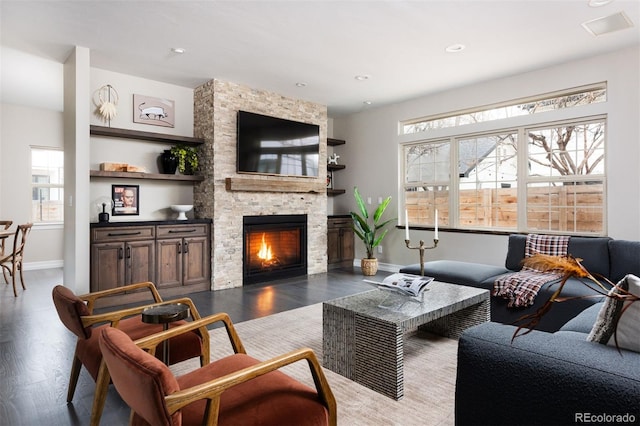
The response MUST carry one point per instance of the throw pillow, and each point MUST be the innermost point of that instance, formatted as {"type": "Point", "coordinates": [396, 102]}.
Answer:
{"type": "Point", "coordinates": [629, 323]}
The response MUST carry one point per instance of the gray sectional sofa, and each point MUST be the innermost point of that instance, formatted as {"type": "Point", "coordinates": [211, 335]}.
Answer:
{"type": "Point", "coordinates": [545, 378]}
{"type": "Point", "coordinates": [552, 375]}
{"type": "Point", "coordinates": [609, 257]}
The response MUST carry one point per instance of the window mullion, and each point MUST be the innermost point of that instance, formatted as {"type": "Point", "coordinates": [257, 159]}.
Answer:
{"type": "Point", "coordinates": [454, 182]}
{"type": "Point", "coordinates": [523, 178]}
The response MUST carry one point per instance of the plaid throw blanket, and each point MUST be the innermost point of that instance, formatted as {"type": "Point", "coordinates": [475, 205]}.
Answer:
{"type": "Point", "coordinates": [521, 288]}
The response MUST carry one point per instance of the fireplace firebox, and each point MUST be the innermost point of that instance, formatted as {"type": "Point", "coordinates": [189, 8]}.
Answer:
{"type": "Point", "coordinates": [274, 247]}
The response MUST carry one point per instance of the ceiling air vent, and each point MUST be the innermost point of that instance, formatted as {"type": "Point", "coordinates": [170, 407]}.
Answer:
{"type": "Point", "coordinates": [608, 24]}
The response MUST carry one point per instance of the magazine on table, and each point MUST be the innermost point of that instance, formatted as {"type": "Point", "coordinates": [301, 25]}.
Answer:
{"type": "Point", "coordinates": [411, 285]}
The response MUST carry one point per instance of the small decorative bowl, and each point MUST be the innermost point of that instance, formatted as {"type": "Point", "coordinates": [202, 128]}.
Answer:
{"type": "Point", "coordinates": [181, 209]}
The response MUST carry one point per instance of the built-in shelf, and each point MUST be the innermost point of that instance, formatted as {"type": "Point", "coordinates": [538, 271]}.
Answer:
{"type": "Point", "coordinates": [143, 136]}
{"type": "Point", "coordinates": [139, 175]}
{"type": "Point", "coordinates": [335, 167]}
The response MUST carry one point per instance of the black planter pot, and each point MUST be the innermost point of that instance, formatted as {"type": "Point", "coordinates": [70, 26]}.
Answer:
{"type": "Point", "coordinates": [169, 162]}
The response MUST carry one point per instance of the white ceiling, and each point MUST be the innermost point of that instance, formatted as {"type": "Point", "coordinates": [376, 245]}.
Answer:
{"type": "Point", "coordinates": [273, 45]}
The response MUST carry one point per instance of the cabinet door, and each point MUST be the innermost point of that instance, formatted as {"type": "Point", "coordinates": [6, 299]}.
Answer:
{"type": "Point", "coordinates": [196, 260]}
{"type": "Point", "coordinates": [139, 261]}
{"type": "Point", "coordinates": [107, 266]}
{"type": "Point", "coordinates": [347, 249]}
{"type": "Point", "coordinates": [333, 245]}
{"type": "Point", "coordinates": [169, 262]}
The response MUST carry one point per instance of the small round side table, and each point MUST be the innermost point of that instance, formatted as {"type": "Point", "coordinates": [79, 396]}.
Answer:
{"type": "Point", "coordinates": [165, 314]}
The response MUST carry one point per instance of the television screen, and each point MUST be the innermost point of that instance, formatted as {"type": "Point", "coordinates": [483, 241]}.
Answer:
{"type": "Point", "coordinates": [275, 146]}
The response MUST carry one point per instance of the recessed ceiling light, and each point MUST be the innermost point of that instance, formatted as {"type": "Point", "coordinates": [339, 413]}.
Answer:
{"type": "Point", "coordinates": [362, 77]}
{"type": "Point", "coordinates": [598, 3]}
{"type": "Point", "coordinates": [301, 84]}
{"type": "Point", "coordinates": [178, 50]}
{"type": "Point", "coordinates": [455, 48]}
{"type": "Point", "coordinates": [367, 102]}
{"type": "Point", "coordinates": [608, 24]}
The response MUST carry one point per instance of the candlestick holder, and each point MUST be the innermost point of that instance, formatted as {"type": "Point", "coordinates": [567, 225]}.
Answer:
{"type": "Point", "coordinates": [422, 248]}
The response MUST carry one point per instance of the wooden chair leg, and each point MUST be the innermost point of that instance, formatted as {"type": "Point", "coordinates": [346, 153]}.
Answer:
{"type": "Point", "coordinates": [5, 269]}
{"type": "Point", "coordinates": [21, 276]}
{"type": "Point", "coordinates": [76, 366]}
{"type": "Point", "coordinates": [13, 276]}
{"type": "Point", "coordinates": [100, 396]}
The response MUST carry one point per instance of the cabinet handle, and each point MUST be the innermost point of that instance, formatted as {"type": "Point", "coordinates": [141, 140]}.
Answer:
{"type": "Point", "coordinates": [120, 253]}
{"type": "Point", "coordinates": [180, 231]}
{"type": "Point", "coordinates": [123, 234]}
{"type": "Point", "coordinates": [179, 247]}
{"type": "Point", "coordinates": [186, 247]}
{"type": "Point", "coordinates": [128, 252]}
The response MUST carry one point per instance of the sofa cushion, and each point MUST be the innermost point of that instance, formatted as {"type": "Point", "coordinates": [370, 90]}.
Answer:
{"type": "Point", "coordinates": [560, 313]}
{"type": "Point", "coordinates": [594, 253]}
{"type": "Point", "coordinates": [583, 322]}
{"type": "Point", "coordinates": [463, 273]}
{"type": "Point", "coordinates": [628, 327]}
{"type": "Point", "coordinates": [624, 257]}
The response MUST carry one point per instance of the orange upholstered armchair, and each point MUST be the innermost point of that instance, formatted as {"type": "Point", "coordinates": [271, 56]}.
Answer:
{"type": "Point", "coordinates": [76, 313]}
{"type": "Point", "coordinates": [234, 390]}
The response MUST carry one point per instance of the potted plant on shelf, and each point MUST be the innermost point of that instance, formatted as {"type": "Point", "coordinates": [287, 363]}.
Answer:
{"type": "Point", "coordinates": [187, 158]}
{"type": "Point", "coordinates": [370, 234]}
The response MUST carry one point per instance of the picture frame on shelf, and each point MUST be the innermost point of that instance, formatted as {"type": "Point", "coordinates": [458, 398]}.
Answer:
{"type": "Point", "coordinates": [126, 200]}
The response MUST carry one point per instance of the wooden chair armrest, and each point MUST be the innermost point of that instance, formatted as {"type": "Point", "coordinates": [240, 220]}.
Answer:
{"type": "Point", "coordinates": [114, 317]}
{"type": "Point", "coordinates": [151, 342]}
{"type": "Point", "coordinates": [91, 298]}
{"type": "Point", "coordinates": [213, 389]}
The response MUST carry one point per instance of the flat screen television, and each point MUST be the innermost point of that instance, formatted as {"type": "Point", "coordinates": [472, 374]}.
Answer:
{"type": "Point", "coordinates": [276, 146]}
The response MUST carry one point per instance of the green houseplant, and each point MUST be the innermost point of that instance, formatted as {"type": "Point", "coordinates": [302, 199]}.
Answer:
{"type": "Point", "coordinates": [187, 158]}
{"type": "Point", "coordinates": [372, 233]}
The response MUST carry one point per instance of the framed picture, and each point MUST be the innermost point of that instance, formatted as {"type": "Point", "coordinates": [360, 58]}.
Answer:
{"type": "Point", "coordinates": [154, 111]}
{"type": "Point", "coordinates": [125, 200]}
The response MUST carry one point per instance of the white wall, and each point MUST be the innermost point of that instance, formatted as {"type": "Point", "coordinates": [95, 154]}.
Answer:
{"type": "Point", "coordinates": [155, 196]}
{"type": "Point", "coordinates": [371, 152]}
{"type": "Point", "coordinates": [31, 97]}
{"type": "Point", "coordinates": [23, 127]}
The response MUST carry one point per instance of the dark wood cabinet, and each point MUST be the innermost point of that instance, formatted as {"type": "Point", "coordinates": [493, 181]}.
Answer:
{"type": "Point", "coordinates": [340, 242]}
{"type": "Point", "coordinates": [121, 256]}
{"type": "Point", "coordinates": [183, 255]}
{"type": "Point", "coordinates": [176, 257]}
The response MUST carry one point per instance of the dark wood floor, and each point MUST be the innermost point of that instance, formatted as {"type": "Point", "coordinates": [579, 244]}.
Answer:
{"type": "Point", "coordinates": [36, 349]}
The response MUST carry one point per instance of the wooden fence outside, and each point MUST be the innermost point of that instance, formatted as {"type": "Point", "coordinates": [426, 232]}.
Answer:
{"type": "Point", "coordinates": [570, 208]}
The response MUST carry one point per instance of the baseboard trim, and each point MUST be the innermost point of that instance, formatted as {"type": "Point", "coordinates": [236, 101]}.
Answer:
{"type": "Point", "coordinates": [49, 264]}
{"type": "Point", "coordinates": [388, 267]}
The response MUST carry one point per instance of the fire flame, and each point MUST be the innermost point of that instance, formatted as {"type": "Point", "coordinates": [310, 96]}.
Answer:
{"type": "Point", "coordinates": [265, 250]}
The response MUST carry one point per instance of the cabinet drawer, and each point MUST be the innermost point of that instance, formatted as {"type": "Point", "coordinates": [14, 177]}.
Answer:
{"type": "Point", "coordinates": [339, 223]}
{"type": "Point", "coordinates": [179, 231]}
{"type": "Point", "coordinates": [129, 233]}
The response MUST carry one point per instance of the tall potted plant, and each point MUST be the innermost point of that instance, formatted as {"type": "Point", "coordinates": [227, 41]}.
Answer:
{"type": "Point", "coordinates": [371, 234]}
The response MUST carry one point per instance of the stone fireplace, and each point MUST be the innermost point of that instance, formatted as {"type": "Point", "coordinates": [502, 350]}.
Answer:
{"type": "Point", "coordinates": [274, 247]}
{"type": "Point", "coordinates": [228, 197]}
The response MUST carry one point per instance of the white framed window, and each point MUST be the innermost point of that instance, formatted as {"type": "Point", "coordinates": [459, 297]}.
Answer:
{"type": "Point", "coordinates": [47, 185]}
{"type": "Point", "coordinates": [546, 177]}
{"type": "Point", "coordinates": [584, 95]}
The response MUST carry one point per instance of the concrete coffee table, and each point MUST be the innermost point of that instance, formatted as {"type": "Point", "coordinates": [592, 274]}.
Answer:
{"type": "Point", "coordinates": [363, 333]}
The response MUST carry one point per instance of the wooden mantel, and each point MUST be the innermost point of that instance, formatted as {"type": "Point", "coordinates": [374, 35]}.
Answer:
{"type": "Point", "coordinates": [262, 185]}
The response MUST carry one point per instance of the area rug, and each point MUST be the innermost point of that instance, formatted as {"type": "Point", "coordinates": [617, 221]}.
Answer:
{"type": "Point", "coordinates": [429, 375]}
